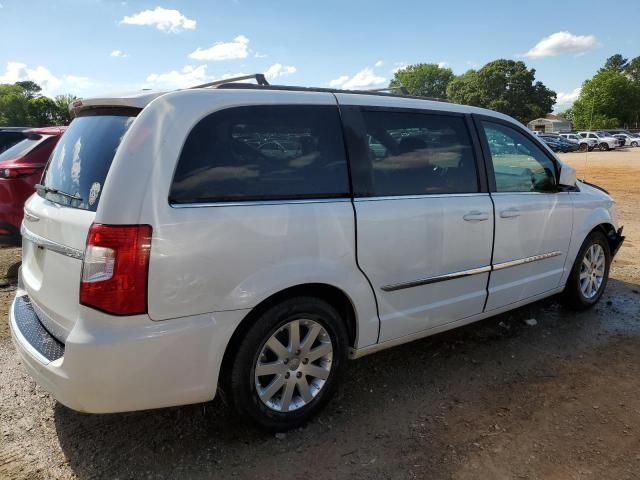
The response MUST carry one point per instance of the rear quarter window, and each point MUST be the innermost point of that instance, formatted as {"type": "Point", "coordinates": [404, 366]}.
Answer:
{"type": "Point", "coordinates": [264, 152]}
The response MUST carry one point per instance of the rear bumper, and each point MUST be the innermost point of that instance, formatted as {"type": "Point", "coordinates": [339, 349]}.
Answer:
{"type": "Point", "coordinates": [132, 364]}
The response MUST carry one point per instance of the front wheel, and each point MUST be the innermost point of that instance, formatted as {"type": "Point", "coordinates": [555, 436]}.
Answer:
{"type": "Point", "coordinates": [634, 144]}
{"type": "Point", "coordinates": [589, 274]}
{"type": "Point", "coordinates": [584, 147]}
{"type": "Point", "coordinates": [604, 147]}
{"type": "Point", "coordinates": [288, 363]}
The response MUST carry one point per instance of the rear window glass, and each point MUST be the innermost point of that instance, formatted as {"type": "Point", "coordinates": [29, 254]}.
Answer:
{"type": "Point", "coordinates": [80, 162]}
{"type": "Point", "coordinates": [9, 139]}
{"type": "Point", "coordinates": [21, 148]}
{"type": "Point", "coordinates": [267, 152]}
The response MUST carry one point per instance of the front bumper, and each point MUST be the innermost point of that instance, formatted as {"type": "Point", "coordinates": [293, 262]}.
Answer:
{"type": "Point", "coordinates": [133, 364]}
{"type": "Point", "coordinates": [615, 240]}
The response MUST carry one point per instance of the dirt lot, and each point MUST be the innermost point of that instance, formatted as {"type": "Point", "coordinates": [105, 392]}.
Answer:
{"type": "Point", "coordinates": [497, 399]}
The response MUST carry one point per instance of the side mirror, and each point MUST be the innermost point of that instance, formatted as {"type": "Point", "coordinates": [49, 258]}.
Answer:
{"type": "Point", "coordinates": [568, 176]}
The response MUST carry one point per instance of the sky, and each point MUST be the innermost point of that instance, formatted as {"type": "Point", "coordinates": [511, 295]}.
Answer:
{"type": "Point", "coordinates": [94, 47]}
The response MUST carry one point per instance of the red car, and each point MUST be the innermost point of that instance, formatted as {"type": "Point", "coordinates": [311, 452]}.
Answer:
{"type": "Point", "coordinates": [21, 169]}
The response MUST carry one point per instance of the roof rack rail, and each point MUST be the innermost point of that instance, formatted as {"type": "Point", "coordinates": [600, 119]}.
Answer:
{"type": "Point", "coordinates": [258, 77]}
{"type": "Point", "coordinates": [402, 90]}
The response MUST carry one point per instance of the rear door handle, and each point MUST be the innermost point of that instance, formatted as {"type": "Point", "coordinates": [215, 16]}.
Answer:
{"type": "Point", "coordinates": [510, 213]}
{"type": "Point", "coordinates": [476, 216]}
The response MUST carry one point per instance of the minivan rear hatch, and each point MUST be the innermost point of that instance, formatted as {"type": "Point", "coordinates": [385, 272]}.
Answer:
{"type": "Point", "coordinates": [57, 219]}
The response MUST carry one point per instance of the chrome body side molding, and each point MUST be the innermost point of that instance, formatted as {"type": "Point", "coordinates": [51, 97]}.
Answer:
{"type": "Point", "coordinates": [466, 273]}
{"type": "Point", "coordinates": [522, 261]}
{"type": "Point", "coordinates": [438, 278]}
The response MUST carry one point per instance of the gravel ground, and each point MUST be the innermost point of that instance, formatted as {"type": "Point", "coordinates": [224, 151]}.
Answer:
{"type": "Point", "coordinates": [557, 399]}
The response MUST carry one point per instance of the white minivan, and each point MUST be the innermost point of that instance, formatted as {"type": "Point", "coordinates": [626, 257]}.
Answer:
{"type": "Point", "coordinates": [253, 238]}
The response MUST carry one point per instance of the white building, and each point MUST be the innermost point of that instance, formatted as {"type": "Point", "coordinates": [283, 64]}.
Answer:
{"type": "Point", "coordinates": [550, 124]}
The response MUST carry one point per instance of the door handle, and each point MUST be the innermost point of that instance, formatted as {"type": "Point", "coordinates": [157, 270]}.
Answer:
{"type": "Point", "coordinates": [510, 213]}
{"type": "Point", "coordinates": [476, 216]}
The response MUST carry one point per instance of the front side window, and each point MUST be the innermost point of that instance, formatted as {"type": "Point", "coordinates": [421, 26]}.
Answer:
{"type": "Point", "coordinates": [263, 153]}
{"type": "Point", "coordinates": [519, 164]}
{"type": "Point", "coordinates": [415, 154]}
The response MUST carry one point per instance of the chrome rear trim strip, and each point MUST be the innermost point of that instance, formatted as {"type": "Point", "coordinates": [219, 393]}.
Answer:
{"type": "Point", "coordinates": [522, 261]}
{"type": "Point", "coordinates": [436, 279]}
{"type": "Point", "coordinates": [51, 245]}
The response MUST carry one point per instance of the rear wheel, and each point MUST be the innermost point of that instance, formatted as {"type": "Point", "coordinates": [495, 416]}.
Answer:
{"type": "Point", "coordinates": [589, 274]}
{"type": "Point", "coordinates": [634, 144]}
{"type": "Point", "coordinates": [288, 364]}
{"type": "Point", "coordinates": [604, 146]}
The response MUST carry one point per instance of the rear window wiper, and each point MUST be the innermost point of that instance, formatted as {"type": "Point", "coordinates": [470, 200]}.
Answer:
{"type": "Point", "coordinates": [55, 191]}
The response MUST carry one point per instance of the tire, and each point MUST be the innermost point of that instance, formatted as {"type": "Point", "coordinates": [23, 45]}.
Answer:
{"type": "Point", "coordinates": [577, 294]}
{"type": "Point", "coordinates": [584, 147]}
{"type": "Point", "coordinates": [262, 399]}
{"type": "Point", "coordinates": [604, 147]}
{"type": "Point", "coordinates": [634, 144]}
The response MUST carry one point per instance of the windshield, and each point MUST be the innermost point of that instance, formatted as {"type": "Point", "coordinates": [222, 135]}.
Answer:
{"type": "Point", "coordinates": [81, 160]}
{"type": "Point", "coordinates": [20, 149]}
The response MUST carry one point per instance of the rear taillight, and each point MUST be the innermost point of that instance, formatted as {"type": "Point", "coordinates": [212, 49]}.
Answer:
{"type": "Point", "coordinates": [17, 172]}
{"type": "Point", "coordinates": [115, 268]}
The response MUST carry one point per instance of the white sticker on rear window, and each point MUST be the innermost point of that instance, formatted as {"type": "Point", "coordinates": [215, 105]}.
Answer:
{"type": "Point", "coordinates": [94, 191]}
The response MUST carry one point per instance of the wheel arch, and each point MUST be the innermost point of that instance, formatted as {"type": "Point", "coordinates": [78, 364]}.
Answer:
{"type": "Point", "coordinates": [334, 296]}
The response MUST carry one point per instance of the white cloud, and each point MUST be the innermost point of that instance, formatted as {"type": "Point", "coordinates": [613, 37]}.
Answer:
{"type": "Point", "coordinates": [238, 48]}
{"type": "Point", "coordinates": [443, 64]}
{"type": "Point", "coordinates": [399, 66]}
{"type": "Point", "coordinates": [379, 63]}
{"type": "Point", "coordinates": [560, 43]}
{"type": "Point", "coordinates": [260, 55]}
{"type": "Point", "coordinates": [365, 78]}
{"type": "Point", "coordinates": [341, 80]}
{"type": "Point", "coordinates": [569, 97]}
{"type": "Point", "coordinates": [278, 70]}
{"type": "Point", "coordinates": [565, 99]}
{"type": "Point", "coordinates": [189, 76]}
{"type": "Point", "coordinates": [51, 84]}
{"type": "Point", "coordinates": [163, 19]}
{"type": "Point", "coordinates": [118, 53]}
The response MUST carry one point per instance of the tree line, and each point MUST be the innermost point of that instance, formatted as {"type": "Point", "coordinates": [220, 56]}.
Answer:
{"type": "Point", "coordinates": [23, 105]}
{"type": "Point", "coordinates": [610, 99]}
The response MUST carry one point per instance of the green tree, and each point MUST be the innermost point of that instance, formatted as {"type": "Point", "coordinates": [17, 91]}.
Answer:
{"type": "Point", "coordinates": [14, 106]}
{"type": "Point", "coordinates": [423, 79]}
{"type": "Point", "coordinates": [42, 111]}
{"type": "Point", "coordinates": [506, 86]}
{"type": "Point", "coordinates": [610, 99]}
{"type": "Point", "coordinates": [633, 70]}
{"type": "Point", "coordinates": [29, 88]}
{"type": "Point", "coordinates": [22, 104]}
{"type": "Point", "coordinates": [615, 63]}
{"type": "Point", "coordinates": [62, 103]}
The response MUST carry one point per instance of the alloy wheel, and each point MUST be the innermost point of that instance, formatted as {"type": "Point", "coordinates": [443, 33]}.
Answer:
{"type": "Point", "coordinates": [592, 271]}
{"type": "Point", "coordinates": [293, 365]}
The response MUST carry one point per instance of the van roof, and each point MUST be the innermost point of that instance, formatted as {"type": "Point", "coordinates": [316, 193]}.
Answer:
{"type": "Point", "coordinates": [385, 96]}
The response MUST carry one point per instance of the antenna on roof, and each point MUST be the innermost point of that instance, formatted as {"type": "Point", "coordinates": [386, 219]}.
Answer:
{"type": "Point", "coordinates": [258, 77]}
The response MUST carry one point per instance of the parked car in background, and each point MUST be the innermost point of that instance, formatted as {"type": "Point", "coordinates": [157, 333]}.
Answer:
{"type": "Point", "coordinates": [9, 136]}
{"type": "Point", "coordinates": [605, 141]}
{"type": "Point", "coordinates": [559, 144]}
{"type": "Point", "coordinates": [628, 139]}
{"type": "Point", "coordinates": [152, 276]}
{"type": "Point", "coordinates": [585, 144]}
{"type": "Point", "coordinates": [21, 168]}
